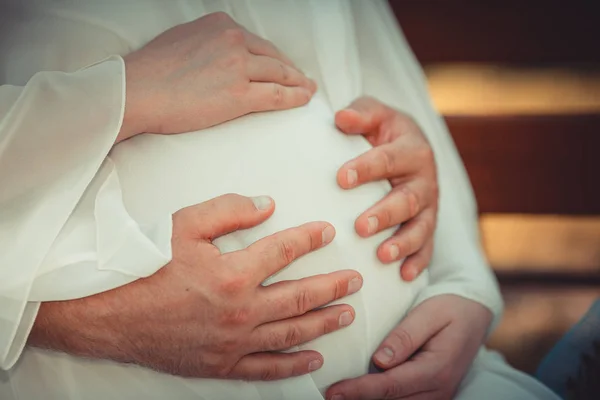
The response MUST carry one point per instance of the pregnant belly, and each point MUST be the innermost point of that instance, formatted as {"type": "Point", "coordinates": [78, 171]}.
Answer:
{"type": "Point", "coordinates": [292, 156]}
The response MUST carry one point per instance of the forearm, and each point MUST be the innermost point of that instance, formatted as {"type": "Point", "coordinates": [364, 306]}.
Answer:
{"type": "Point", "coordinates": [87, 327]}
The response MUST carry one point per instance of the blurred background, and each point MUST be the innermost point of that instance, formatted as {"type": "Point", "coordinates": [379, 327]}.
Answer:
{"type": "Point", "coordinates": [519, 85]}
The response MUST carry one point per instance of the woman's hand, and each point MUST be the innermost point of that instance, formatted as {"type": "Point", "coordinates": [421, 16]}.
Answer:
{"type": "Point", "coordinates": [206, 72]}
{"type": "Point", "coordinates": [402, 155]}
{"type": "Point", "coordinates": [426, 356]}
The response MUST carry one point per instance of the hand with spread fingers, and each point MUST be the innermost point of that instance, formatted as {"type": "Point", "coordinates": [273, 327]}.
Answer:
{"type": "Point", "coordinates": [426, 356]}
{"type": "Point", "coordinates": [207, 314]}
{"type": "Point", "coordinates": [401, 154]}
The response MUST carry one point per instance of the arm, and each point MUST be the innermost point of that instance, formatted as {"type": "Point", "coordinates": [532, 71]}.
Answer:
{"type": "Point", "coordinates": [55, 134]}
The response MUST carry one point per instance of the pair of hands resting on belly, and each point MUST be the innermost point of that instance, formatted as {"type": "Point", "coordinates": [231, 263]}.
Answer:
{"type": "Point", "coordinates": [207, 72]}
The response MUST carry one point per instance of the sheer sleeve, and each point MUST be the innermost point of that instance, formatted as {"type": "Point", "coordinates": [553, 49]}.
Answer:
{"type": "Point", "coordinates": [391, 74]}
{"type": "Point", "coordinates": [55, 134]}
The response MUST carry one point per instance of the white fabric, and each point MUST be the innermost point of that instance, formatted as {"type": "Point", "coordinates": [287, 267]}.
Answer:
{"type": "Point", "coordinates": [120, 228]}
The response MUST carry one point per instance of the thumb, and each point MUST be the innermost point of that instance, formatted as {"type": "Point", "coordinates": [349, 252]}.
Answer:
{"type": "Point", "coordinates": [363, 116]}
{"type": "Point", "coordinates": [223, 215]}
{"type": "Point", "coordinates": [421, 323]}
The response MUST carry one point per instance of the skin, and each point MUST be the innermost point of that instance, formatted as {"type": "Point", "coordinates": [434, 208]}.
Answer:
{"type": "Point", "coordinates": [426, 356]}
{"type": "Point", "coordinates": [206, 314]}
{"type": "Point", "coordinates": [401, 154]}
{"type": "Point", "coordinates": [206, 72]}
{"type": "Point", "coordinates": [218, 71]}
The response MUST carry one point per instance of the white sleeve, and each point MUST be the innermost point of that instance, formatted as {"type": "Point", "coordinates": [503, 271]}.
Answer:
{"type": "Point", "coordinates": [391, 74]}
{"type": "Point", "coordinates": [60, 206]}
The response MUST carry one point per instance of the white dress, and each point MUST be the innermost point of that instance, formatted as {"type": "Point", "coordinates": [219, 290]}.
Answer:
{"type": "Point", "coordinates": [77, 221]}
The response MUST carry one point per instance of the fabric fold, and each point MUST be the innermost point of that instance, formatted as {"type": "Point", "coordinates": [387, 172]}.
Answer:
{"type": "Point", "coordinates": [41, 177]}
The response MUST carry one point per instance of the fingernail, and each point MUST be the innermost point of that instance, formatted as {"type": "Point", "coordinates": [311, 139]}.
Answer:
{"type": "Point", "coordinates": [327, 234]}
{"type": "Point", "coordinates": [394, 251]}
{"type": "Point", "coordinates": [384, 355]}
{"type": "Point", "coordinates": [373, 223]}
{"type": "Point", "coordinates": [354, 285]}
{"type": "Point", "coordinates": [337, 397]}
{"type": "Point", "coordinates": [261, 202]}
{"type": "Point", "coordinates": [345, 318]}
{"type": "Point", "coordinates": [351, 177]}
{"type": "Point", "coordinates": [314, 365]}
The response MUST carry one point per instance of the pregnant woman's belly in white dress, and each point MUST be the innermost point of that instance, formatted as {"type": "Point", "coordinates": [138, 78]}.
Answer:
{"type": "Point", "coordinates": [292, 156]}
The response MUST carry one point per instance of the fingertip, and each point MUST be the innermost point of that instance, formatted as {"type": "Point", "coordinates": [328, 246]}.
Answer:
{"type": "Point", "coordinates": [383, 357]}
{"type": "Point", "coordinates": [388, 252]}
{"type": "Point", "coordinates": [361, 226]}
{"type": "Point", "coordinates": [327, 234]}
{"type": "Point", "coordinates": [349, 121]}
{"type": "Point", "coordinates": [315, 364]}
{"type": "Point", "coordinates": [347, 176]}
{"type": "Point", "coordinates": [409, 272]}
{"type": "Point", "coordinates": [263, 203]}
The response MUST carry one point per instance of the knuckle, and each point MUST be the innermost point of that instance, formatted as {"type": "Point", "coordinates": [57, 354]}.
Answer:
{"type": "Point", "coordinates": [285, 73]}
{"type": "Point", "coordinates": [388, 162]}
{"type": "Point", "coordinates": [386, 217]}
{"type": "Point", "coordinates": [219, 16]}
{"type": "Point", "coordinates": [232, 286]}
{"type": "Point", "coordinates": [286, 252]}
{"type": "Point", "coordinates": [393, 390]}
{"type": "Point", "coordinates": [233, 36]}
{"type": "Point", "coordinates": [235, 60]}
{"type": "Point", "coordinates": [412, 201]}
{"type": "Point", "coordinates": [339, 289]}
{"type": "Point", "coordinates": [277, 95]}
{"type": "Point", "coordinates": [293, 336]}
{"type": "Point", "coordinates": [401, 339]}
{"type": "Point", "coordinates": [270, 372]}
{"type": "Point", "coordinates": [235, 317]}
{"type": "Point", "coordinates": [303, 301]}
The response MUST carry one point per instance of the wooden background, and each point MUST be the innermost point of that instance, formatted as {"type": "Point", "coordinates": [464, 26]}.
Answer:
{"type": "Point", "coordinates": [525, 165]}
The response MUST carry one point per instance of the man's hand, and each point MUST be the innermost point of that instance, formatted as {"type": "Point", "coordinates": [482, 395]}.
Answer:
{"type": "Point", "coordinates": [206, 314]}
{"type": "Point", "coordinates": [402, 155]}
{"type": "Point", "coordinates": [426, 356]}
{"type": "Point", "coordinates": [206, 72]}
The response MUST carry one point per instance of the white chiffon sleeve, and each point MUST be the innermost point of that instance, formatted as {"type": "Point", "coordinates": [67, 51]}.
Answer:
{"type": "Point", "coordinates": [391, 74]}
{"type": "Point", "coordinates": [64, 232]}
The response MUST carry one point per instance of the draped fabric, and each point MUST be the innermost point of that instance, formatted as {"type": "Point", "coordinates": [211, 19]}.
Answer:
{"type": "Point", "coordinates": [76, 220]}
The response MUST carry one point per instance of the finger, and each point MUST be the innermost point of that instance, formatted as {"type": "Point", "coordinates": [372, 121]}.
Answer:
{"type": "Point", "coordinates": [363, 116]}
{"type": "Point", "coordinates": [271, 366]}
{"type": "Point", "coordinates": [261, 47]}
{"type": "Point", "coordinates": [409, 239]}
{"type": "Point", "coordinates": [408, 379]}
{"type": "Point", "coordinates": [223, 214]}
{"type": "Point", "coordinates": [390, 160]}
{"type": "Point", "coordinates": [269, 96]}
{"type": "Point", "coordinates": [267, 69]}
{"type": "Point", "coordinates": [409, 335]}
{"type": "Point", "coordinates": [284, 334]}
{"type": "Point", "coordinates": [400, 205]}
{"type": "Point", "coordinates": [279, 250]}
{"type": "Point", "coordinates": [288, 299]}
{"type": "Point", "coordinates": [416, 263]}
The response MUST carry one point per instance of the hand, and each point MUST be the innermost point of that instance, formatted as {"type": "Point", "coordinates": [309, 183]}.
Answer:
{"type": "Point", "coordinates": [206, 314]}
{"type": "Point", "coordinates": [426, 355]}
{"type": "Point", "coordinates": [206, 72]}
{"type": "Point", "coordinates": [402, 155]}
